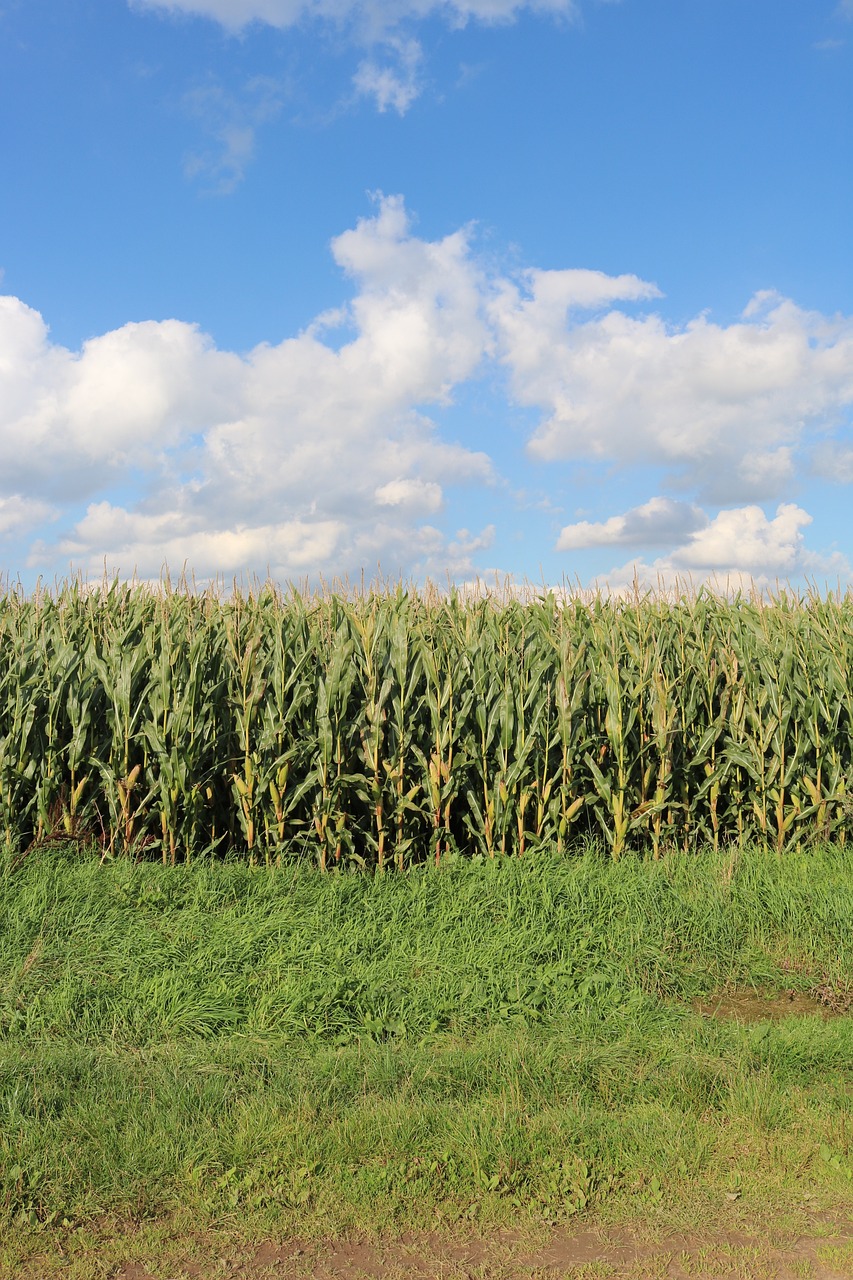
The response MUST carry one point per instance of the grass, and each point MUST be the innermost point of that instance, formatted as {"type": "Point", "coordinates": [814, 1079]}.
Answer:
{"type": "Point", "coordinates": [140, 954]}
{"type": "Point", "coordinates": [262, 1051]}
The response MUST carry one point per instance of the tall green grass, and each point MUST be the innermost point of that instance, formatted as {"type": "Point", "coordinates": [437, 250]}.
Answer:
{"type": "Point", "coordinates": [143, 953]}
{"type": "Point", "coordinates": [493, 1042]}
{"type": "Point", "coordinates": [394, 728]}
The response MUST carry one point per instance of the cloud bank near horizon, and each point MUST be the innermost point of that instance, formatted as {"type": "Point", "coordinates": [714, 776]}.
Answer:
{"type": "Point", "coordinates": [325, 453]}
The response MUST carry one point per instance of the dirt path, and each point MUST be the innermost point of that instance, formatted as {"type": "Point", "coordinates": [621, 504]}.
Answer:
{"type": "Point", "coordinates": [622, 1253]}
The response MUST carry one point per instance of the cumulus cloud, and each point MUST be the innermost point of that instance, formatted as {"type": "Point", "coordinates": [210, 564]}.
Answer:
{"type": "Point", "coordinates": [723, 407]}
{"type": "Point", "coordinates": [19, 513]}
{"type": "Point", "coordinates": [740, 547]}
{"type": "Point", "coordinates": [298, 456]}
{"type": "Point", "coordinates": [321, 453]}
{"type": "Point", "coordinates": [744, 539]}
{"type": "Point", "coordinates": [660, 521]}
{"type": "Point", "coordinates": [71, 422]}
{"type": "Point", "coordinates": [148, 541]}
{"type": "Point", "coordinates": [425, 495]}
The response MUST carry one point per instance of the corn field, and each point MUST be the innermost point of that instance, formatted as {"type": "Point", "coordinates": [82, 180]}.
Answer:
{"type": "Point", "coordinates": [399, 727]}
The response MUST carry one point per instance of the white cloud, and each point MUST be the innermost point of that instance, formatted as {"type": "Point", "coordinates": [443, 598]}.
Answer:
{"type": "Point", "coordinates": [658, 521]}
{"type": "Point", "coordinates": [741, 547]}
{"type": "Point", "coordinates": [745, 540]}
{"type": "Point", "coordinates": [19, 513]}
{"type": "Point", "coordinates": [146, 542]}
{"type": "Point", "coordinates": [70, 422]}
{"type": "Point", "coordinates": [725, 407]}
{"type": "Point", "coordinates": [319, 453]}
{"type": "Point", "coordinates": [396, 83]}
{"type": "Point", "coordinates": [422, 495]}
{"type": "Point", "coordinates": [300, 456]}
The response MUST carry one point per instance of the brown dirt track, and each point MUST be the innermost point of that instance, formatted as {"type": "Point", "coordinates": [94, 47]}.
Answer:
{"type": "Point", "coordinates": [822, 1251]}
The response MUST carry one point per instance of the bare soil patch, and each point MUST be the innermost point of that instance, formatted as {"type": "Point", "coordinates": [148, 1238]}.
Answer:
{"type": "Point", "coordinates": [751, 1006]}
{"type": "Point", "coordinates": [823, 1252]}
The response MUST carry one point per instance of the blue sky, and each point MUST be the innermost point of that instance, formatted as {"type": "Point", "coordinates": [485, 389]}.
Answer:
{"type": "Point", "coordinates": [559, 290]}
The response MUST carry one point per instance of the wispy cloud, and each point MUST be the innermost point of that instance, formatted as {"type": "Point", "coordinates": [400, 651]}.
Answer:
{"type": "Point", "coordinates": [230, 119]}
{"type": "Point", "coordinates": [371, 17]}
{"type": "Point", "coordinates": [833, 461]}
{"type": "Point", "coordinates": [390, 72]}
{"type": "Point", "coordinates": [391, 77]}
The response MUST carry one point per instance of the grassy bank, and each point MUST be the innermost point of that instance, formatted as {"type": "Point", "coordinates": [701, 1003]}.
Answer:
{"type": "Point", "coordinates": [139, 954]}
{"type": "Point", "coordinates": [490, 1042]}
